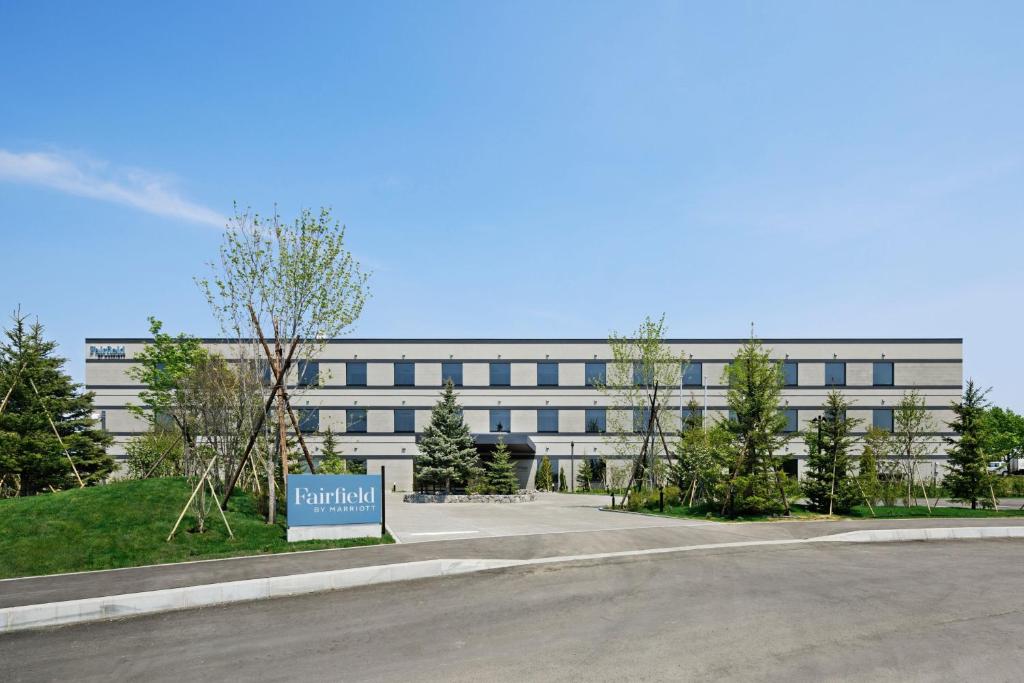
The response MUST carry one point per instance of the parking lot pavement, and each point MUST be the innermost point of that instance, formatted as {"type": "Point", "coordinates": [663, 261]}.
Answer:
{"type": "Point", "coordinates": [550, 513]}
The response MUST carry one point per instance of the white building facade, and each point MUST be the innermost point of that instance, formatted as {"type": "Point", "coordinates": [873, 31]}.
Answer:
{"type": "Point", "coordinates": [538, 394]}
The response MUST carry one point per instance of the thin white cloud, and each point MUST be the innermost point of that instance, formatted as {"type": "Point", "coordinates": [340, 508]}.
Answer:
{"type": "Point", "coordinates": [99, 180]}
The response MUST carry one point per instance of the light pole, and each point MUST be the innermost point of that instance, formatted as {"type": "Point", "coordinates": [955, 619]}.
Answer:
{"type": "Point", "coordinates": [572, 466]}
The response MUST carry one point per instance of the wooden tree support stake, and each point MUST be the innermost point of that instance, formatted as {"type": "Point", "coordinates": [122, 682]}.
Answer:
{"type": "Point", "coordinates": [81, 484]}
{"type": "Point", "coordinates": [202, 480]}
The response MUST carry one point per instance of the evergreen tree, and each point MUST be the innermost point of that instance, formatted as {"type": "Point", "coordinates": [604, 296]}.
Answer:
{"type": "Point", "coordinates": [563, 485]}
{"type": "Point", "coordinates": [447, 452]}
{"type": "Point", "coordinates": [30, 453]}
{"type": "Point", "coordinates": [875, 442]}
{"type": "Point", "coordinates": [501, 471]}
{"type": "Point", "coordinates": [544, 479]}
{"type": "Point", "coordinates": [967, 476]}
{"type": "Point", "coordinates": [331, 461]}
{"type": "Point", "coordinates": [829, 486]}
{"type": "Point", "coordinates": [757, 429]}
{"type": "Point", "coordinates": [584, 476]}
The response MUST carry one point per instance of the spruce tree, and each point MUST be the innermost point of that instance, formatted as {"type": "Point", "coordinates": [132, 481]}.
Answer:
{"type": "Point", "coordinates": [584, 476]}
{"type": "Point", "coordinates": [448, 454]}
{"type": "Point", "coordinates": [331, 461]}
{"type": "Point", "coordinates": [829, 486]}
{"type": "Point", "coordinates": [501, 471]}
{"type": "Point", "coordinates": [562, 483]}
{"type": "Point", "coordinates": [867, 464]}
{"type": "Point", "coordinates": [757, 430]}
{"type": "Point", "coordinates": [545, 477]}
{"type": "Point", "coordinates": [967, 476]}
{"type": "Point", "coordinates": [30, 453]}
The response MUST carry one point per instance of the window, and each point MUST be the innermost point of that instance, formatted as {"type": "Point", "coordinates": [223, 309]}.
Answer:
{"type": "Point", "coordinates": [501, 374]}
{"type": "Point", "coordinates": [641, 416]}
{"type": "Point", "coordinates": [405, 421]}
{"type": "Point", "coordinates": [596, 374]}
{"type": "Point", "coordinates": [693, 374]}
{"type": "Point", "coordinates": [500, 420]}
{"type": "Point", "coordinates": [453, 372]}
{"type": "Point", "coordinates": [309, 419]}
{"type": "Point", "coordinates": [792, 420]}
{"type": "Point", "coordinates": [882, 418]}
{"type": "Point", "coordinates": [547, 420]}
{"type": "Point", "coordinates": [882, 374]}
{"type": "Point", "coordinates": [355, 420]}
{"type": "Point", "coordinates": [266, 374]}
{"type": "Point", "coordinates": [692, 418]}
{"type": "Point", "coordinates": [309, 373]}
{"type": "Point", "coordinates": [640, 376]}
{"type": "Point", "coordinates": [165, 420]}
{"type": "Point", "coordinates": [596, 420]}
{"type": "Point", "coordinates": [732, 415]}
{"type": "Point", "coordinates": [355, 374]}
{"type": "Point", "coordinates": [547, 374]}
{"type": "Point", "coordinates": [790, 373]}
{"type": "Point", "coordinates": [405, 374]}
{"type": "Point", "coordinates": [835, 374]}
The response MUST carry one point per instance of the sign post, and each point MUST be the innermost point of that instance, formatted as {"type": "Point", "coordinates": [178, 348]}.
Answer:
{"type": "Point", "coordinates": [328, 506]}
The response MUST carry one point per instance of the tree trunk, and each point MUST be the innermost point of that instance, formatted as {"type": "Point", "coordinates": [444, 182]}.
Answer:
{"type": "Point", "coordinates": [271, 494]}
{"type": "Point", "coordinates": [282, 427]}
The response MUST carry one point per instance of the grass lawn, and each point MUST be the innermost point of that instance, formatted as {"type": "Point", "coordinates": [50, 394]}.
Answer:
{"type": "Point", "coordinates": [900, 512]}
{"type": "Point", "coordinates": [125, 524]}
{"type": "Point", "coordinates": [800, 512]}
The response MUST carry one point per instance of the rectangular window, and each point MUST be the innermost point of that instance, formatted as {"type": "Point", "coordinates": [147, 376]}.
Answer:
{"type": "Point", "coordinates": [266, 373]}
{"type": "Point", "coordinates": [355, 420]}
{"type": "Point", "coordinates": [641, 416]}
{"type": "Point", "coordinates": [693, 374]}
{"type": "Point", "coordinates": [596, 420]}
{"type": "Point", "coordinates": [405, 421]}
{"type": "Point", "coordinates": [835, 374]}
{"type": "Point", "coordinates": [165, 420]}
{"type": "Point", "coordinates": [547, 420]}
{"type": "Point", "coordinates": [405, 374]}
{"type": "Point", "coordinates": [453, 372]}
{"type": "Point", "coordinates": [882, 374]}
{"type": "Point", "coordinates": [547, 374]}
{"type": "Point", "coordinates": [309, 419]}
{"type": "Point", "coordinates": [792, 420]}
{"type": "Point", "coordinates": [309, 373]}
{"type": "Point", "coordinates": [882, 418]}
{"type": "Point", "coordinates": [355, 374]}
{"type": "Point", "coordinates": [640, 377]}
{"type": "Point", "coordinates": [500, 420]}
{"type": "Point", "coordinates": [596, 374]}
{"type": "Point", "coordinates": [790, 373]}
{"type": "Point", "coordinates": [501, 374]}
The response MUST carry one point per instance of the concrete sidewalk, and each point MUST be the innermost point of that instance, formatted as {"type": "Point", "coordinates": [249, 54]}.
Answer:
{"type": "Point", "coordinates": [79, 586]}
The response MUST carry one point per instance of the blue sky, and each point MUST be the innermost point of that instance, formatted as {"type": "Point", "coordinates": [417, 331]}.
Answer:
{"type": "Point", "coordinates": [531, 169]}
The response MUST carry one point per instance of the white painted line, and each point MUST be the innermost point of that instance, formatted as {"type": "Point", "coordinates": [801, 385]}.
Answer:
{"type": "Point", "coordinates": [441, 533]}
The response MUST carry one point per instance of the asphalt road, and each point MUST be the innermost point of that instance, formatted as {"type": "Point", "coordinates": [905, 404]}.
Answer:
{"type": "Point", "coordinates": [897, 611]}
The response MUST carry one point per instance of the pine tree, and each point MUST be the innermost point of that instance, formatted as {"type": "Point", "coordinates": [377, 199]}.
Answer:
{"type": "Point", "coordinates": [584, 476]}
{"type": "Point", "coordinates": [867, 464]}
{"type": "Point", "coordinates": [501, 471]}
{"type": "Point", "coordinates": [331, 461]}
{"type": "Point", "coordinates": [544, 479]}
{"type": "Point", "coordinates": [30, 453]}
{"type": "Point", "coordinates": [757, 429]}
{"type": "Point", "coordinates": [967, 476]}
{"type": "Point", "coordinates": [829, 486]}
{"type": "Point", "coordinates": [447, 452]}
{"type": "Point", "coordinates": [562, 484]}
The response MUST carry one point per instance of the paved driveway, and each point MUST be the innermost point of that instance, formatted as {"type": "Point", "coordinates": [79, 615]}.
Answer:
{"type": "Point", "coordinates": [550, 513]}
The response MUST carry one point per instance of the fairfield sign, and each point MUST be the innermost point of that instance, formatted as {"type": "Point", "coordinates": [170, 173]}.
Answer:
{"type": "Point", "coordinates": [334, 506]}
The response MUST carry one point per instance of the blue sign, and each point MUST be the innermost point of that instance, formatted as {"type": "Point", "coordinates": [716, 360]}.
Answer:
{"type": "Point", "coordinates": [329, 499]}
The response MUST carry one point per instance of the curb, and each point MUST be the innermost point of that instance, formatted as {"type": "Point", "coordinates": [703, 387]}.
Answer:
{"type": "Point", "coordinates": [25, 617]}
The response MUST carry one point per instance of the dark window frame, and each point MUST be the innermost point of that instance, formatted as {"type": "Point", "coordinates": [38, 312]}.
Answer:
{"type": "Point", "coordinates": [404, 366]}
{"type": "Point", "coordinates": [304, 415]}
{"type": "Point", "coordinates": [874, 418]}
{"type": "Point", "coordinates": [587, 374]}
{"type": "Point", "coordinates": [547, 365]}
{"type": "Point", "coordinates": [452, 364]}
{"type": "Point", "coordinates": [835, 363]}
{"type": "Point", "coordinates": [795, 414]}
{"type": "Point", "coordinates": [501, 366]}
{"type": "Point", "coordinates": [874, 373]}
{"type": "Point", "coordinates": [492, 423]}
{"type": "Point", "coordinates": [598, 416]}
{"type": "Point", "coordinates": [361, 365]}
{"type": "Point", "coordinates": [687, 371]}
{"type": "Point", "coordinates": [302, 379]}
{"type": "Point", "coordinates": [540, 423]}
{"type": "Point", "coordinates": [407, 414]}
{"type": "Point", "coordinates": [795, 365]}
{"type": "Point", "coordinates": [349, 421]}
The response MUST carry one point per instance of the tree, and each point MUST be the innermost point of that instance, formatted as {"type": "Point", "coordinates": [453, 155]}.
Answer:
{"type": "Point", "coordinates": [757, 433]}
{"type": "Point", "coordinates": [544, 481]}
{"type": "Point", "coordinates": [640, 361]}
{"type": "Point", "coordinates": [701, 457]}
{"type": "Point", "coordinates": [876, 446]}
{"type": "Point", "coordinates": [331, 461]}
{"type": "Point", "coordinates": [563, 483]}
{"type": "Point", "coordinates": [157, 452]}
{"type": "Point", "coordinates": [31, 454]}
{"type": "Point", "coordinates": [1004, 436]}
{"type": "Point", "coordinates": [447, 452]}
{"type": "Point", "coordinates": [616, 480]}
{"type": "Point", "coordinates": [911, 426]}
{"type": "Point", "coordinates": [584, 476]}
{"type": "Point", "coordinates": [967, 476]}
{"type": "Point", "coordinates": [501, 471]}
{"type": "Point", "coordinates": [828, 485]}
{"type": "Point", "coordinates": [290, 287]}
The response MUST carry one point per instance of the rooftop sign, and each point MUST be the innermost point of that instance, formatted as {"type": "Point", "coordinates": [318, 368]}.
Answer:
{"type": "Point", "coordinates": [106, 351]}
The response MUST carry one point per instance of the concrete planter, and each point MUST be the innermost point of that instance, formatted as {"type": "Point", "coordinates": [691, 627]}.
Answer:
{"type": "Point", "coordinates": [523, 496]}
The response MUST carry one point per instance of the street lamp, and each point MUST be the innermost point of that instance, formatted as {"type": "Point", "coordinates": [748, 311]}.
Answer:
{"type": "Point", "coordinates": [572, 466]}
